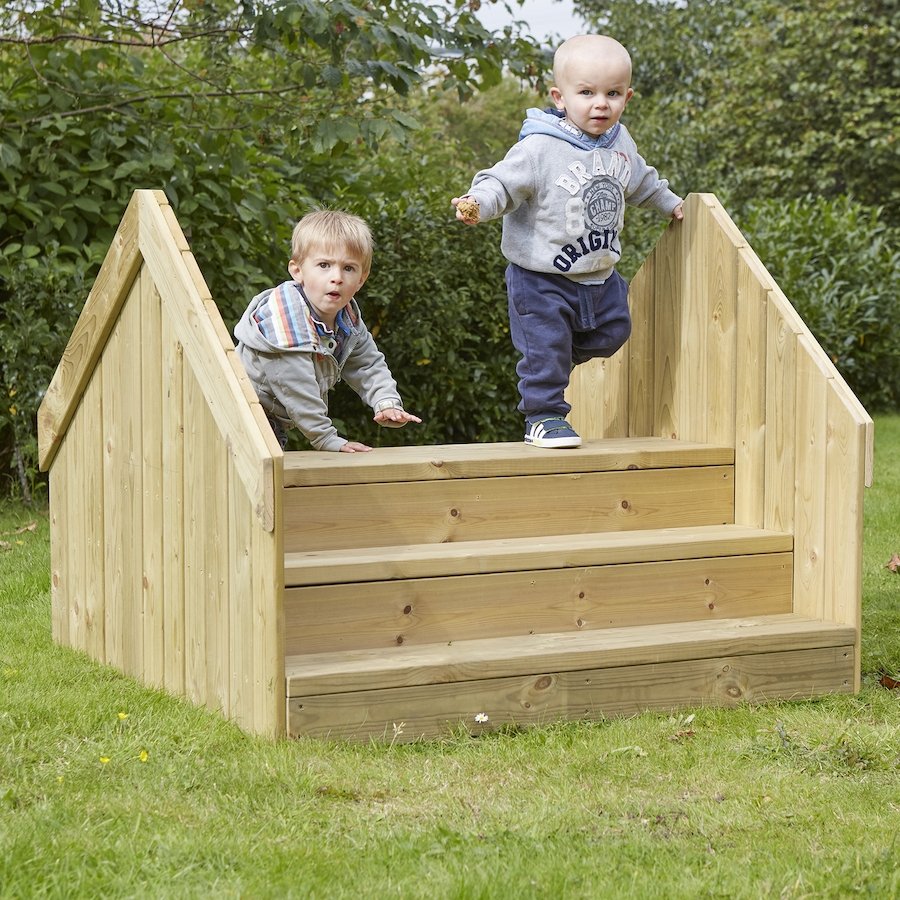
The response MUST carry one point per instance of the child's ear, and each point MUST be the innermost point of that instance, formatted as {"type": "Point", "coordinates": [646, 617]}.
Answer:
{"type": "Point", "coordinates": [557, 97]}
{"type": "Point", "coordinates": [294, 270]}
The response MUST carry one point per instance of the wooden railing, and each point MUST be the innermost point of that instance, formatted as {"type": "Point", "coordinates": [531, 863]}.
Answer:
{"type": "Point", "coordinates": [719, 355]}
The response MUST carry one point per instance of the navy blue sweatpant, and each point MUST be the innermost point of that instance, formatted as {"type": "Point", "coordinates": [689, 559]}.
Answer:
{"type": "Point", "coordinates": [557, 324]}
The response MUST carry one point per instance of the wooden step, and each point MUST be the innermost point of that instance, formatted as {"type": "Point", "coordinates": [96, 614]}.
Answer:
{"type": "Point", "coordinates": [453, 592]}
{"type": "Point", "coordinates": [554, 551]}
{"type": "Point", "coordinates": [407, 692]}
{"type": "Point", "coordinates": [439, 463]}
{"type": "Point", "coordinates": [496, 491]}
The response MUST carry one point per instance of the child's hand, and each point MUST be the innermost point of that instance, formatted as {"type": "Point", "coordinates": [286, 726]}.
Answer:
{"type": "Point", "coordinates": [678, 212]}
{"type": "Point", "coordinates": [355, 447]}
{"type": "Point", "coordinates": [467, 210]}
{"type": "Point", "coordinates": [394, 417]}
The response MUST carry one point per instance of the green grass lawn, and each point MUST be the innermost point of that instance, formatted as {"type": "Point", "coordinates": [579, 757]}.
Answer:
{"type": "Point", "coordinates": [108, 789]}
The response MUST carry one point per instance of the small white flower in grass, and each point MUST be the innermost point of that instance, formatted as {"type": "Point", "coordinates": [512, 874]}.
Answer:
{"type": "Point", "coordinates": [481, 718]}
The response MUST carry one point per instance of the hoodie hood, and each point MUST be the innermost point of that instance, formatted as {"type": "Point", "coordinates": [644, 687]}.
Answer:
{"type": "Point", "coordinates": [553, 122]}
{"type": "Point", "coordinates": [281, 318]}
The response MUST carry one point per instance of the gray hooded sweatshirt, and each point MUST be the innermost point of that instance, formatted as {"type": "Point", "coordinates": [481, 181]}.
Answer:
{"type": "Point", "coordinates": [562, 194]}
{"type": "Point", "coordinates": [293, 360]}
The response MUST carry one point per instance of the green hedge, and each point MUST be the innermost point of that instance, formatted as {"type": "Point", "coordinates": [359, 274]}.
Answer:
{"type": "Point", "coordinates": [839, 265]}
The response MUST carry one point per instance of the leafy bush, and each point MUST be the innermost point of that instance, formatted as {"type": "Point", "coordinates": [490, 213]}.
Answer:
{"type": "Point", "coordinates": [42, 299]}
{"type": "Point", "coordinates": [838, 263]}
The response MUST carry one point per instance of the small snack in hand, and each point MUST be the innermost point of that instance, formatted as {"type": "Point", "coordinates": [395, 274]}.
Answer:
{"type": "Point", "coordinates": [468, 209]}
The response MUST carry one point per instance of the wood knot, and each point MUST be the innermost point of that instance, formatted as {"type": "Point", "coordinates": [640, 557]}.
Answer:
{"type": "Point", "coordinates": [625, 504]}
{"type": "Point", "coordinates": [543, 683]}
{"type": "Point", "coordinates": [407, 610]}
{"type": "Point", "coordinates": [454, 512]}
{"type": "Point", "coordinates": [399, 638]}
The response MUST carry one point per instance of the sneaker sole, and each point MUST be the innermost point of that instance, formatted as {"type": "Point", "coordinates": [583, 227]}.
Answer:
{"type": "Point", "coordinates": [554, 443]}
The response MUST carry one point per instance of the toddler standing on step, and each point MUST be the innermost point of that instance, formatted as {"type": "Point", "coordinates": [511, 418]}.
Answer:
{"type": "Point", "coordinates": [562, 191]}
{"type": "Point", "coordinates": [299, 339]}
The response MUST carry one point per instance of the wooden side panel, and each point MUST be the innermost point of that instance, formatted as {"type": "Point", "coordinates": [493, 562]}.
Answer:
{"type": "Point", "coordinates": [153, 580]}
{"type": "Point", "coordinates": [173, 512]}
{"type": "Point", "coordinates": [488, 508]}
{"type": "Point", "coordinates": [429, 711]}
{"type": "Point", "coordinates": [809, 481]}
{"type": "Point", "coordinates": [390, 614]}
{"type": "Point", "coordinates": [123, 489]}
{"type": "Point", "coordinates": [750, 392]}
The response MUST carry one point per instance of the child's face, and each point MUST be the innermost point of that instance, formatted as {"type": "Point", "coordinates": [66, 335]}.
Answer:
{"type": "Point", "coordinates": [593, 92]}
{"type": "Point", "coordinates": [330, 277]}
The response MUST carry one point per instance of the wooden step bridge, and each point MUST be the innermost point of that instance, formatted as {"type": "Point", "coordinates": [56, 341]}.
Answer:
{"type": "Point", "coordinates": [702, 547]}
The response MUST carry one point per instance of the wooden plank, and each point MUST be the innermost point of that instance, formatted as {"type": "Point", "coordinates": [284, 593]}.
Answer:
{"type": "Point", "coordinates": [554, 551]}
{"type": "Point", "coordinates": [123, 489]}
{"type": "Point", "coordinates": [692, 403]}
{"type": "Point", "coordinates": [846, 452]}
{"type": "Point", "coordinates": [449, 461]}
{"type": "Point", "coordinates": [190, 315]}
{"type": "Point", "coordinates": [240, 602]}
{"type": "Point", "coordinates": [780, 412]}
{"type": "Point", "coordinates": [809, 482]}
{"type": "Point", "coordinates": [100, 311]}
{"type": "Point", "coordinates": [424, 611]}
{"type": "Point", "coordinates": [724, 241]}
{"type": "Point", "coordinates": [599, 397]}
{"type": "Point", "coordinates": [641, 363]}
{"type": "Point", "coordinates": [91, 498]}
{"type": "Point", "coordinates": [153, 581]}
{"type": "Point", "coordinates": [423, 512]}
{"type": "Point", "coordinates": [334, 673]}
{"type": "Point", "coordinates": [750, 393]}
{"type": "Point", "coordinates": [196, 526]}
{"type": "Point", "coordinates": [668, 325]}
{"type": "Point", "coordinates": [216, 488]}
{"type": "Point", "coordinates": [431, 711]}
{"type": "Point", "coordinates": [269, 687]}
{"type": "Point", "coordinates": [173, 524]}
{"type": "Point", "coordinates": [60, 544]}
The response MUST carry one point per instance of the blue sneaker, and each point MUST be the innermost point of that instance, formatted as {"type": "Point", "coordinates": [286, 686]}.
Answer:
{"type": "Point", "coordinates": [551, 433]}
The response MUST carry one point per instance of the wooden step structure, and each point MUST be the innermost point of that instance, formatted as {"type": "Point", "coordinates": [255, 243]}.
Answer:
{"type": "Point", "coordinates": [702, 547]}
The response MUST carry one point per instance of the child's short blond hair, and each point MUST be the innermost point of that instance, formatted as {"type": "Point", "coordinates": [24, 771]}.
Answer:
{"type": "Point", "coordinates": [331, 229]}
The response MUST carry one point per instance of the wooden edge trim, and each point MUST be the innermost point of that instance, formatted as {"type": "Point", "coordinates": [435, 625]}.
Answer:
{"type": "Point", "coordinates": [198, 325]}
{"type": "Point", "coordinates": [98, 315]}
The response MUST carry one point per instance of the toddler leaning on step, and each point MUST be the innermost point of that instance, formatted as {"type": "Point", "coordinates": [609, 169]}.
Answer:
{"type": "Point", "coordinates": [297, 340]}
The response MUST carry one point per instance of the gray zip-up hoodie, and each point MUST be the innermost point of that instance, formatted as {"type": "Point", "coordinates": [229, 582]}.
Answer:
{"type": "Point", "coordinates": [562, 194]}
{"type": "Point", "coordinates": [293, 360]}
